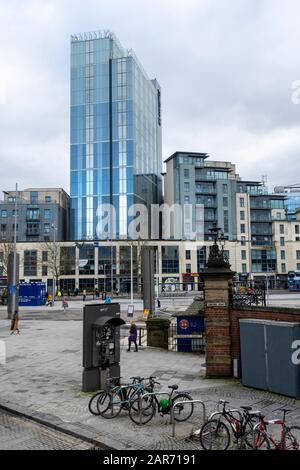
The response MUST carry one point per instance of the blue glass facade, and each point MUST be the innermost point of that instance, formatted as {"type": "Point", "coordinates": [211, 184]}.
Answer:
{"type": "Point", "coordinates": [115, 133]}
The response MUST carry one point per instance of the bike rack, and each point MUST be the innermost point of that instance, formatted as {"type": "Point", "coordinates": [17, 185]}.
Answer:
{"type": "Point", "coordinates": [173, 421]}
{"type": "Point", "coordinates": [149, 395]}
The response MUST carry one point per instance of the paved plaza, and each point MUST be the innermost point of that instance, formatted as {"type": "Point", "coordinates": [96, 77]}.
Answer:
{"type": "Point", "coordinates": [42, 378]}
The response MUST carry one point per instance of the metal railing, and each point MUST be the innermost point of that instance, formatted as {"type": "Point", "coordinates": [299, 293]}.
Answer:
{"type": "Point", "coordinates": [173, 421]}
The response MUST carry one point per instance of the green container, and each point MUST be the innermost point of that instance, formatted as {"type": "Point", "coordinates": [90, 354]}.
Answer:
{"type": "Point", "coordinates": [164, 404]}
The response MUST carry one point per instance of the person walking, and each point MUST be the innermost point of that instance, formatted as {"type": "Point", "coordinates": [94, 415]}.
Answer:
{"type": "Point", "coordinates": [65, 304]}
{"type": "Point", "coordinates": [49, 300]}
{"type": "Point", "coordinates": [84, 295]}
{"type": "Point", "coordinates": [14, 327]}
{"type": "Point", "coordinates": [132, 337]}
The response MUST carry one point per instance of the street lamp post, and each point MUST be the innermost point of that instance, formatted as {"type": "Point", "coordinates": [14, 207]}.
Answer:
{"type": "Point", "coordinates": [54, 262]}
{"type": "Point", "coordinates": [131, 275]}
{"type": "Point", "coordinates": [14, 289]}
{"type": "Point", "coordinates": [157, 274]}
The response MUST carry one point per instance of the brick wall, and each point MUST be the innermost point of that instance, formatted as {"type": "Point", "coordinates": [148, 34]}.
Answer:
{"type": "Point", "coordinates": [257, 313]}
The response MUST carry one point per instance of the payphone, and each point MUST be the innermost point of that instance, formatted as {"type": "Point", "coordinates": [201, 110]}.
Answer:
{"type": "Point", "coordinates": [101, 345]}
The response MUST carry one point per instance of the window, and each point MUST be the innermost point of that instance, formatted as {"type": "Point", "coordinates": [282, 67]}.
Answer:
{"type": "Point", "coordinates": [243, 228]}
{"type": "Point", "coordinates": [34, 197]}
{"type": "Point", "coordinates": [33, 214]}
{"type": "Point", "coordinates": [244, 254]}
{"type": "Point", "coordinates": [45, 256]}
{"type": "Point", "coordinates": [188, 268]}
{"type": "Point", "coordinates": [186, 187]}
{"type": "Point", "coordinates": [282, 254]}
{"type": "Point", "coordinates": [1, 256]}
{"type": "Point", "coordinates": [3, 227]}
{"type": "Point", "coordinates": [243, 241]}
{"type": "Point", "coordinates": [47, 228]}
{"type": "Point", "coordinates": [298, 266]}
{"type": "Point", "coordinates": [283, 267]}
{"type": "Point", "coordinates": [186, 199]}
{"type": "Point", "coordinates": [278, 215]}
{"type": "Point", "coordinates": [186, 173]}
{"type": "Point", "coordinates": [244, 267]}
{"type": "Point", "coordinates": [225, 201]}
{"type": "Point", "coordinates": [242, 215]}
{"type": "Point", "coordinates": [48, 199]}
{"type": "Point", "coordinates": [188, 254]}
{"type": "Point", "coordinates": [242, 202]}
{"type": "Point", "coordinates": [47, 214]}
{"type": "Point", "coordinates": [187, 228]}
{"type": "Point", "coordinates": [170, 259]}
{"type": "Point", "coordinates": [226, 225]}
{"type": "Point", "coordinates": [4, 213]}
{"type": "Point", "coordinates": [298, 254]}
{"type": "Point", "coordinates": [281, 228]}
{"type": "Point", "coordinates": [30, 263]}
{"type": "Point", "coordinates": [67, 260]}
{"type": "Point", "coordinates": [15, 212]}
{"type": "Point", "coordinates": [225, 189]}
{"type": "Point", "coordinates": [282, 241]}
{"type": "Point", "coordinates": [44, 270]}
{"type": "Point", "coordinates": [297, 229]}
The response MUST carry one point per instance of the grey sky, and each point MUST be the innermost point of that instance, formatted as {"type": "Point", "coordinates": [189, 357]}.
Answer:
{"type": "Point", "coordinates": [226, 69]}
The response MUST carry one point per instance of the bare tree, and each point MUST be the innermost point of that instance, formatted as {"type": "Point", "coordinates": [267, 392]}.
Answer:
{"type": "Point", "coordinates": [53, 261]}
{"type": "Point", "coordinates": [5, 248]}
{"type": "Point", "coordinates": [138, 245]}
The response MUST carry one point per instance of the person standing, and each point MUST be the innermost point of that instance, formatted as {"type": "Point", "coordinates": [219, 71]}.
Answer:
{"type": "Point", "coordinates": [84, 295]}
{"type": "Point", "coordinates": [14, 327]}
{"type": "Point", "coordinates": [132, 337]}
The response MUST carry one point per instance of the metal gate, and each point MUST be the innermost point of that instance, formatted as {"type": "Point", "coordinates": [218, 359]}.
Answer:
{"type": "Point", "coordinates": [195, 343]}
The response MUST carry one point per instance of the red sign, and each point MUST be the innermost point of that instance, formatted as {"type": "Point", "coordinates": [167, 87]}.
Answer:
{"type": "Point", "coordinates": [184, 324]}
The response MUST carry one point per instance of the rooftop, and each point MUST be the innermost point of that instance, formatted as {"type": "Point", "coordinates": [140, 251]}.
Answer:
{"type": "Point", "coordinates": [187, 154]}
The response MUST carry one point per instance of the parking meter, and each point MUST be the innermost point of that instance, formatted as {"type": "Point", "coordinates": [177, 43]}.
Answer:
{"type": "Point", "coordinates": [101, 344]}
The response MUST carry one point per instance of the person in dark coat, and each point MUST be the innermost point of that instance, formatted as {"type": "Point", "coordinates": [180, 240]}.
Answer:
{"type": "Point", "coordinates": [14, 327]}
{"type": "Point", "coordinates": [132, 337]}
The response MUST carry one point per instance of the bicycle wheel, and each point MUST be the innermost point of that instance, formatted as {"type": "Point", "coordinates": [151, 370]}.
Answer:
{"type": "Point", "coordinates": [148, 399]}
{"type": "Point", "coordinates": [141, 411]}
{"type": "Point", "coordinates": [292, 438]}
{"type": "Point", "coordinates": [93, 407]}
{"type": "Point", "coordinates": [255, 440]}
{"type": "Point", "coordinates": [214, 435]}
{"type": "Point", "coordinates": [185, 410]}
{"type": "Point", "coordinates": [111, 406]}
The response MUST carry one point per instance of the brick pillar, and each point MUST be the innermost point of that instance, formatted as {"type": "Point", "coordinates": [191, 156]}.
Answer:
{"type": "Point", "coordinates": [217, 322]}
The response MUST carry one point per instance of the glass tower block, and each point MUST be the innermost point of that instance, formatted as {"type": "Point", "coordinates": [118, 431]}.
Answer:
{"type": "Point", "coordinates": [115, 134]}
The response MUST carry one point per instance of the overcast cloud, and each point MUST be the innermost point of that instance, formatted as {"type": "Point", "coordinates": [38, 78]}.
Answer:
{"type": "Point", "coordinates": [226, 69]}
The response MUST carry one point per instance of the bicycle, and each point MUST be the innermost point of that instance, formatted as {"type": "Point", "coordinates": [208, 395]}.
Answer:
{"type": "Point", "coordinates": [289, 436]}
{"type": "Point", "coordinates": [143, 408]}
{"type": "Point", "coordinates": [110, 404]}
{"type": "Point", "coordinates": [215, 433]}
{"type": "Point", "coordinates": [101, 395]}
